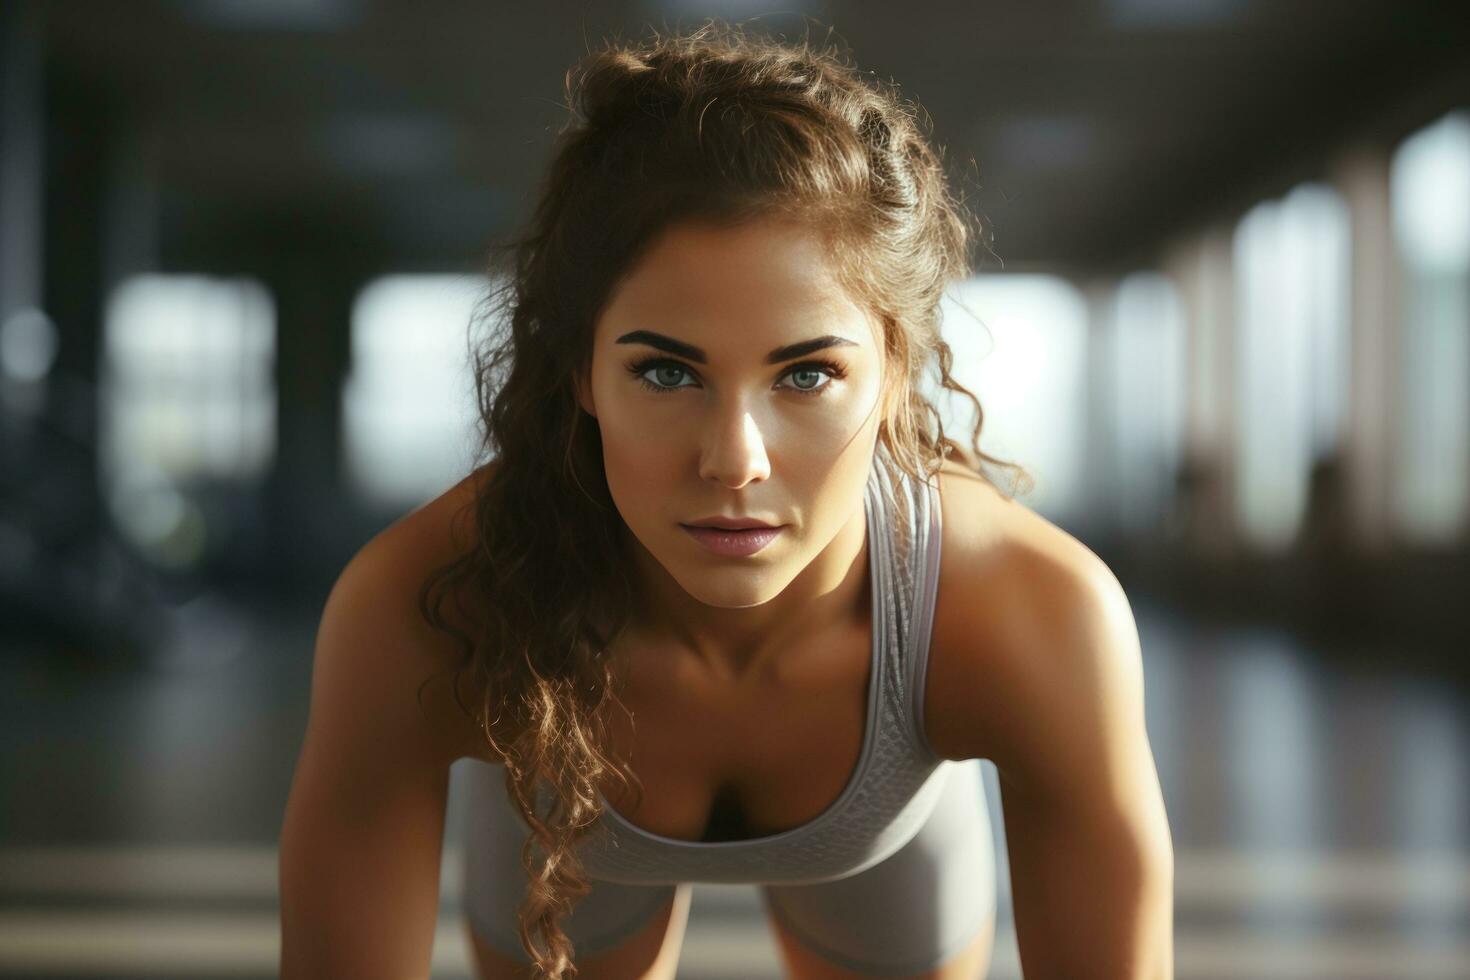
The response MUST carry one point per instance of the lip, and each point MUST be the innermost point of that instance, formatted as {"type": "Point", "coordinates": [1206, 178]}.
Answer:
{"type": "Point", "coordinates": [730, 523]}
{"type": "Point", "coordinates": [734, 544]}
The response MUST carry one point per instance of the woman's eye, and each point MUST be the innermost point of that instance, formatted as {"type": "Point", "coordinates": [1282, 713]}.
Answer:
{"type": "Point", "coordinates": [809, 378]}
{"type": "Point", "coordinates": [666, 376]}
{"type": "Point", "coordinates": [662, 376]}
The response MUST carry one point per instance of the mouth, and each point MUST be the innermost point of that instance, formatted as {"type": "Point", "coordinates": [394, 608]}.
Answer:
{"type": "Point", "coordinates": [734, 542]}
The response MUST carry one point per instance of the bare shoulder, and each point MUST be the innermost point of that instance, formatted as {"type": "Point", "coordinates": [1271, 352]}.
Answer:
{"type": "Point", "coordinates": [1021, 606]}
{"type": "Point", "coordinates": [384, 580]}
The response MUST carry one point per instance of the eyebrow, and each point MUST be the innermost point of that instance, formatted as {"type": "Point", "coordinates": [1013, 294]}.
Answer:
{"type": "Point", "coordinates": [696, 354]}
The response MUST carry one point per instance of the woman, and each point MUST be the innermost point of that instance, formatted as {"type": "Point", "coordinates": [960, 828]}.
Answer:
{"type": "Point", "coordinates": [720, 608]}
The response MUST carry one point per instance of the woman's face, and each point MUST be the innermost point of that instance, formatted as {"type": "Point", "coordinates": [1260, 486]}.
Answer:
{"type": "Point", "coordinates": [732, 376]}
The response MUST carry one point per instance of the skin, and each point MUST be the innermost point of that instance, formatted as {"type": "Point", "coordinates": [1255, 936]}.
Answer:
{"type": "Point", "coordinates": [736, 436]}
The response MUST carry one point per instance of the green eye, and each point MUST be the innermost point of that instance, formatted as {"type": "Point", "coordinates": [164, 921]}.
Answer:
{"type": "Point", "coordinates": [815, 375]}
{"type": "Point", "coordinates": [814, 368]}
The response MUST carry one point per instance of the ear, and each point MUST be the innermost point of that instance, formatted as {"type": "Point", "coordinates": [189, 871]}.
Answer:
{"type": "Point", "coordinates": [584, 393]}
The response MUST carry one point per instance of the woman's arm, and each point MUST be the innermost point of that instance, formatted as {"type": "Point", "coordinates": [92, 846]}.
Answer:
{"type": "Point", "coordinates": [1091, 857]}
{"type": "Point", "coordinates": [361, 842]}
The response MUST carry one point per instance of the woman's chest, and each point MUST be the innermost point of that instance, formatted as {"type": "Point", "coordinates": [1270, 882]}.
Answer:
{"type": "Point", "coordinates": [724, 761]}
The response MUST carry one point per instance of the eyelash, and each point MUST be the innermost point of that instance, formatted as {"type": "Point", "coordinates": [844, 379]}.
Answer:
{"type": "Point", "coordinates": [834, 371]}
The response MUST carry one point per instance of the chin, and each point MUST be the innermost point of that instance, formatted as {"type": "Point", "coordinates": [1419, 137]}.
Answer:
{"type": "Point", "coordinates": [731, 588]}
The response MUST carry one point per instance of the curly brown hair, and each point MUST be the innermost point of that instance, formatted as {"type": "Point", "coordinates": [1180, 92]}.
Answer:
{"type": "Point", "coordinates": [714, 125]}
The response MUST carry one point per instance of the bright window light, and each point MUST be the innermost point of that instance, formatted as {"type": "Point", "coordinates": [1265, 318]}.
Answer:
{"type": "Point", "coordinates": [187, 396]}
{"type": "Point", "coordinates": [1430, 184]}
{"type": "Point", "coordinates": [1019, 344]}
{"type": "Point", "coordinates": [1143, 375]}
{"type": "Point", "coordinates": [188, 386]}
{"type": "Point", "coordinates": [1430, 200]}
{"type": "Point", "coordinates": [1291, 262]}
{"type": "Point", "coordinates": [408, 404]}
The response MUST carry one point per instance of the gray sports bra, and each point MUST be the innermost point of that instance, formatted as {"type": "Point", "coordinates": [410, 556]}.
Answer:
{"type": "Point", "coordinates": [898, 776]}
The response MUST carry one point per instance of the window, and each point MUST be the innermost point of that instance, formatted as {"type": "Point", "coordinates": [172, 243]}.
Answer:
{"type": "Point", "coordinates": [1291, 261]}
{"type": "Point", "coordinates": [187, 378]}
{"type": "Point", "coordinates": [1430, 200]}
{"type": "Point", "coordinates": [1143, 376]}
{"type": "Point", "coordinates": [411, 426]}
{"type": "Point", "coordinates": [1019, 344]}
{"type": "Point", "coordinates": [187, 396]}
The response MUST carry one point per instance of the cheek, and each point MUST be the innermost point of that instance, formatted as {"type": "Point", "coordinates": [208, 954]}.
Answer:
{"type": "Point", "coordinates": [833, 424]}
{"type": "Point", "coordinates": [633, 439]}
{"type": "Point", "coordinates": [638, 462]}
{"type": "Point", "coordinates": [620, 418]}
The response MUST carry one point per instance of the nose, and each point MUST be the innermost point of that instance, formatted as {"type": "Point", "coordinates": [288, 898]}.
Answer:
{"type": "Point", "coordinates": [734, 453]}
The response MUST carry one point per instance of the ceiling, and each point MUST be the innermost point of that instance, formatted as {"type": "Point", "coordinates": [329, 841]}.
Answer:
{"type": "Point", "coordinates": [1083, 131]}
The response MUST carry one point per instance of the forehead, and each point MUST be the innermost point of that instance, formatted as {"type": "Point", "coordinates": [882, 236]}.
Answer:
{"type": "Point", "coordinates": [758, 279]}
